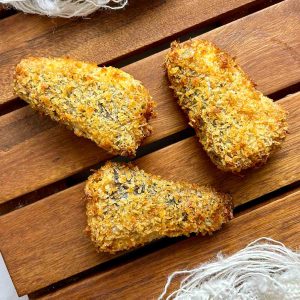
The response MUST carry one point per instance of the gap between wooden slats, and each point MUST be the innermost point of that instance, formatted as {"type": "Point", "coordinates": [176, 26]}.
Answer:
{"type": "Point", "coordinates": [51, 230]}
{"type": "Point", "coordinates": [41, 153]}
{"type": "Point", "coordinates": [148, 275]}
{"type": "Point", "coordinates": [5, 11]}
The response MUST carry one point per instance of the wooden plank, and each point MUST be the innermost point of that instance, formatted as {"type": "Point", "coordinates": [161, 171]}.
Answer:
{"type": "Point", "coordinates": [106, 36]}
{"type": "Point", "coordinates": [52, 229]}
{"type": "Point", "coordinates": [20, 28]}
{"type": "Point", "coordinates": [148, 275]}
{"type": "Point", "coordinates": [52, 153]}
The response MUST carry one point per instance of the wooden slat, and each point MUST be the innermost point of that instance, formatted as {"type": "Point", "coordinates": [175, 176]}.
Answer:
{"type": "Point", "coordinates": [51, 153]}
{"type": "Point", "coordinates": [51, 230]}
{"type": "Point", "coordinates": [147, 275]}
{"type": "Point", "coordinates": [106, 36]}
{"type": "Point", "coordinates": [19, 29]}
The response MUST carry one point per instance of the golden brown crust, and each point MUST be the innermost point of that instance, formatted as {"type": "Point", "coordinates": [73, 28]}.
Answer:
{"type": "Point", "coordinates": [127, 207]}
{"type": "Point", "coordinates": [236, 124]}
{"type": "Point", "coordinates": [105, 105]}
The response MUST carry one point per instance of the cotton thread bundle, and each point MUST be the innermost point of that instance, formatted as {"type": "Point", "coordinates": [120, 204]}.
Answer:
{"type": "Point", "coordinates": [64, 8]}
{"type": "Point", "coordinates": [264, 270]}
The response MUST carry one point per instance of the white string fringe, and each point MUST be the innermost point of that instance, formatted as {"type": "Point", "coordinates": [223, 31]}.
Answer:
{"type": "Point", "coordinates": [64, 8]}
{"type": "Point", "coordinates": [264, 270]}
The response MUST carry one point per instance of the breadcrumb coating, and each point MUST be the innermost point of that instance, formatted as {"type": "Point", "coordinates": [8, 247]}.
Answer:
{"type": "Point", "coordinates": [237, 125]}
{"type": "Point", "coordinates": [127, 207]}
{"type": "Point", "coordinates": [105, 105]}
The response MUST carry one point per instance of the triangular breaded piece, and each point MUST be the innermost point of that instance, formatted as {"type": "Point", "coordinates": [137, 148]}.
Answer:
{"type": "Point", "coordinates": [106, 105]}
{"type": "Point", "coordinates": [127, 207]}
{"type": "Point", "coordinates": [236, 124]}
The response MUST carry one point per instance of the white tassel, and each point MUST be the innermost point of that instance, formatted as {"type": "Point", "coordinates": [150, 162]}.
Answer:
{"type": "Point", "coordinates": [264, 270]}
{"type": "Point", "coordinates": [64, 8]}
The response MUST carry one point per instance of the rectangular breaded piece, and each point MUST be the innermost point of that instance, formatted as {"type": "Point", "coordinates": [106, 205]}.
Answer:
{"type": "Point", "coordinates": [127, 207]}
{"type": "Point", "coordinates": [105, 105]}
{"type": "Point", "coordinates": [236, 124]}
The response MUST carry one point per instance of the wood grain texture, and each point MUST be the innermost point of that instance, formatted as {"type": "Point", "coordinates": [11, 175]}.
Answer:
{"type": "Point", "coordinates": [21, 28]}
{"type": "Point", "coordinates": [52, 229]}
{"type": "Point", "coordinates": [106, 36]}
{"type": "Point", "coordinates": [35, 157]}
{"type": "Point", "coordinates": [147, 275]}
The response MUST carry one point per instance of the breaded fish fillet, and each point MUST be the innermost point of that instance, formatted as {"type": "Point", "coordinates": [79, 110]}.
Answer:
{"type": "Point", "coordinates": [126, 208]}
{"type": "Point", "coordinates": [236, 124]}
{"type": "Point", "coordinates": [105, 105]}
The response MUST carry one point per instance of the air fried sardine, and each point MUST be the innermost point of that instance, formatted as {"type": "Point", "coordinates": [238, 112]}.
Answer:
{"type": "Point", "coordinates": [105, 105]}
{"type": "Point", "coordinates": [126, 208]}
{"type": "Point", "coordinates": [236, 124]}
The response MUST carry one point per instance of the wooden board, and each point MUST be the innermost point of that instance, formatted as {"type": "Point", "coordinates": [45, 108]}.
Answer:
{"type": "Point", "coordinates": [147, 275]}
{"type": "Point", "coordinates": [20, 29]}
{"type": "Point", "coordinates": [54, 236]}
{"type": "Point", "coordinates": [52, 152]}
{"type": "Point", "coordinates": [105, 36]}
